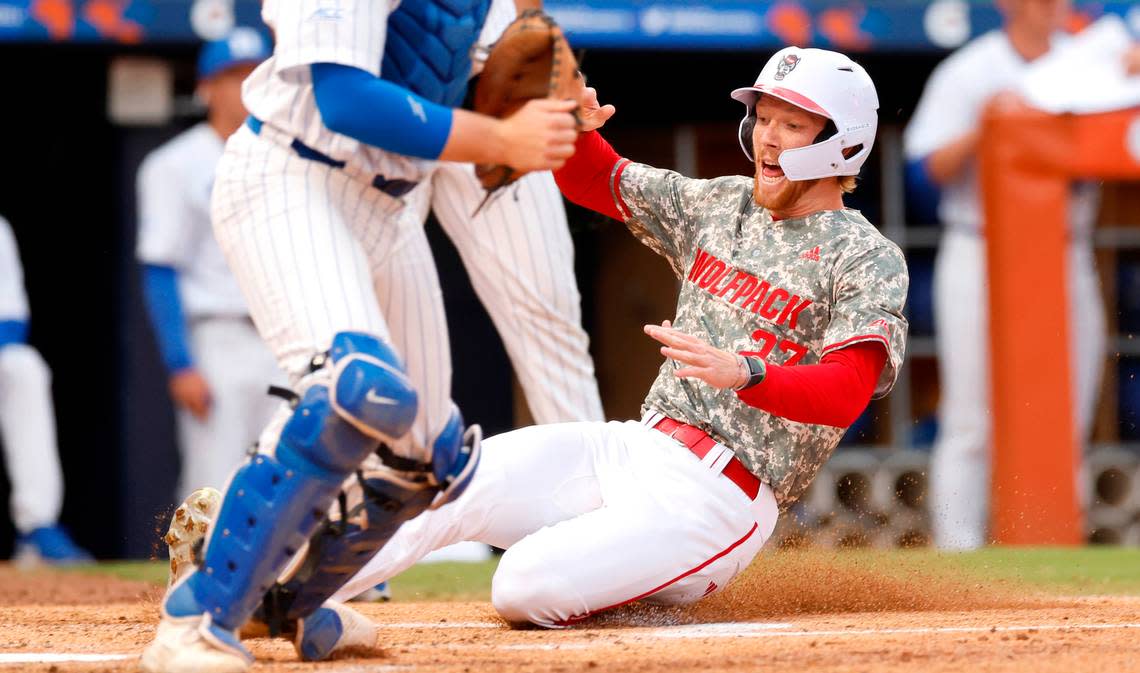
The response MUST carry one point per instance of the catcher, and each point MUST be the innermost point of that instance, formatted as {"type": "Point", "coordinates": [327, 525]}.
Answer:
{"type": "Point", "coordinates": [346, 116]}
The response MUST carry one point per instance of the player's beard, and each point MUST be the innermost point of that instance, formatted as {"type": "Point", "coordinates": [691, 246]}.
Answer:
{"type": "Point", "coordinates": [780, 196]}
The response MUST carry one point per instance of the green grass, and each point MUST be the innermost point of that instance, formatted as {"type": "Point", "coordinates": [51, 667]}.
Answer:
{"type": "Point", "coordinates": [153, 572]}
{"type": "Point", "coordinates": [431, 581]}
{"type": "Point", "coordinates": [1083, 571]}
{"type": "Point", "coordinates": [1080, 571]}
{"type": "Point", "coordinates": [1061, 571]}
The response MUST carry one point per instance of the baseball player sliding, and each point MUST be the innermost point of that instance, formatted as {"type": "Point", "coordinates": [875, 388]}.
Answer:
{"type": "Point", "coordinates": [218, 366]}
{"type": "Point", "coordinates": [789, 321]}
{"type": "Point", "coordinates": [27, 426]}
{"type": "Point", "coordinates": [357, 95]}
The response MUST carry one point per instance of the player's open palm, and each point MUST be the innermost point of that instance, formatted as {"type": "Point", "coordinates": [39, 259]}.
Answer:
{"type": "Point", "coordinates": [190, 391]}
{"type": "Point", "coordinates": [700, 360]}
{"type": "Point", "coordinates": [591, 114]}
{"type": "Point", "coordinates": [540, 135]}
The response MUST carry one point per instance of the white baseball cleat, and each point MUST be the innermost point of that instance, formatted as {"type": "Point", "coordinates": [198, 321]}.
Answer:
{"type": "Point", "coordinates": [194, 645]}
{"type": "Point", "coordinates": [188, 527]}
{"type": "Point", "coordinates": [334, 629]}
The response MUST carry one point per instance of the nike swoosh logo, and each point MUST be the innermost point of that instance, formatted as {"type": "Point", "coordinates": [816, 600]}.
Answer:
{"type": "Point", "coordinates": [371, 396]}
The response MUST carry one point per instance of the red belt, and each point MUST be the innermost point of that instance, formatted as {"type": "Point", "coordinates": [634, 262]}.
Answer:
{"type": "Point", "coordinates": [700, 443]}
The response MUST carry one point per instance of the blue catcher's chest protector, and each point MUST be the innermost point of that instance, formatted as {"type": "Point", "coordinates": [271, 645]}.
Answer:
{"type": "Point", "coordinates": [428, 47]}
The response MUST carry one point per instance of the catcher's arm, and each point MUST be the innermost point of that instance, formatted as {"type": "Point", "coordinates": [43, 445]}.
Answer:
{"type": "Point", "coordinates": [348, 99]}
{"type": "Point", "coordinates": [539, 136]}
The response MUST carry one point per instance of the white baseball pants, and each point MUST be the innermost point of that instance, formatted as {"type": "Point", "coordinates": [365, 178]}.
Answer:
{"type": "Point", "coordinates": [238, 367]}
{"type": "Point", "coordinates": [317, 252]}
{"type": "Point", "coordinates": [27, 426]}
{"type": "Point", "coordinates": [593, 515]}
{"type": "Point", "coordinates": [519, 255]}
{"type": "Point", "coordinates": [960, 464]}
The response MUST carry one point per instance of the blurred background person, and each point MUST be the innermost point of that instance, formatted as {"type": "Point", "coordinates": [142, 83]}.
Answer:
{"type": "Point", "coordinates": [27, 426]}
{"type": "Point", "coordinates": [941, 146]}
{"type": "Point", "coordinates": [219, 368]}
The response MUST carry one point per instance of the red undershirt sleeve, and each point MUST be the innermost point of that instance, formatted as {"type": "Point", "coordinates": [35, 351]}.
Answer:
{"type": "Point", "coordinates": [591, 177]}
{"type": "Point", "coordinates": [833, 392]}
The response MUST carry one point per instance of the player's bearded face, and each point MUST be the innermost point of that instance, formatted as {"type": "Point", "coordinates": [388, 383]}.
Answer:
{"type": "Point", "coordinates": [780, 126]}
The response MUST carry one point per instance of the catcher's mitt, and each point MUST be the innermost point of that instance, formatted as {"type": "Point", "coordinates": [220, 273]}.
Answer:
{"type": "Point", "coordinates": [531, 60]}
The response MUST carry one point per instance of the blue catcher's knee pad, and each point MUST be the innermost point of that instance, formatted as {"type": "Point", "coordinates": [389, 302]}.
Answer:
{"type": "Point", "coordinates": [370, 389]}
{"type": "Point", "coordinates": [275, 502]}
{"type": "Point", "coordinates": [455, 455]}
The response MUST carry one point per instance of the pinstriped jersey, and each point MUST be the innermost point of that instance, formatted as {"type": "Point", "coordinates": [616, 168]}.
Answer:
{"type": "Point", "coordinates": [790, 291]}
{"type": "Point", "coordinates": [347, 32]}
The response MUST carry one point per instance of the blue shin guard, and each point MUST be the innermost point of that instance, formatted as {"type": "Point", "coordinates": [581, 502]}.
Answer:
{"type": "Point", "coordinates": [357, 397]}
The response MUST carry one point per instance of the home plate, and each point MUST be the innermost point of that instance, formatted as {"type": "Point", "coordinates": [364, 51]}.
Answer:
{"type": "Point", "coordinates": [723, 630]}
{"type": "Point", "coordinates": [58, 658]}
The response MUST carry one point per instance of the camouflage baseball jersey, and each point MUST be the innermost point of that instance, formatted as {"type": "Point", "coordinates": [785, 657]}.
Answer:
{"type": "Point", "coordinates": [789, 290]}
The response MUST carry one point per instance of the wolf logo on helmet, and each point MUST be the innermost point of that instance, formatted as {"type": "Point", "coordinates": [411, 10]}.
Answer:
{"type": "Point", "coordinates": [786, 66]}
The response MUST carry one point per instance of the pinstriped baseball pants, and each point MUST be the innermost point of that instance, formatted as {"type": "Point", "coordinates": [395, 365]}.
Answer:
{"type": "Point", "coordinates": [519, 255]}
{"type": "Point", "coordinates": [317, 252]}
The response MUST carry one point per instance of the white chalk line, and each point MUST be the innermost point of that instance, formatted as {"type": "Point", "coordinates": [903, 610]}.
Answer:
{"type": "Point", "coordinates": [668, 633]}
{"type": "Point", "coordinates": [952, 629]}
{"type": "Point", "coordinates": [721, 630]}
{"type": "Point", "coordinates": [763, 630]}
{"type": "Point", "coordinates": [444, 625]}
{"type": "Point", "coordinates": [58, 658]}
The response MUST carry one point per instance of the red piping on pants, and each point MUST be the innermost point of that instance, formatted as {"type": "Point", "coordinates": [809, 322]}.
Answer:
{"type": "Point", "coordinates": [654, 590]}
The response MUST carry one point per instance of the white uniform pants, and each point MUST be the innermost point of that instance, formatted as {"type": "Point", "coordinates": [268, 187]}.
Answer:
{"type": "Point", "coordinates": [27, 427]}
{"type": "Point", "coordinates": [520, 257]}
{"type": "Point", "coordinates": [593, 515]}
{"type": "Point", "coordinates": [238, 368]}
{"type": "Point", "coordinates": [960, 465]}
{"type": "Point", "coordinates": [317, 252]}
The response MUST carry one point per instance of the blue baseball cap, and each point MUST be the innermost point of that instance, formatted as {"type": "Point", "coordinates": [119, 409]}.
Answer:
{"type": "Point", "coordinates": [241, 46]}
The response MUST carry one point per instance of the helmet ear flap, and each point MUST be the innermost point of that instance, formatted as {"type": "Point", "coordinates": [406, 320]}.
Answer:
{"type": "Point", "coordinates": [747, 125]}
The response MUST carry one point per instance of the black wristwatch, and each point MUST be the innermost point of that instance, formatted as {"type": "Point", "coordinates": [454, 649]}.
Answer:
{"type": "Point", "coordinates": [756, 371]}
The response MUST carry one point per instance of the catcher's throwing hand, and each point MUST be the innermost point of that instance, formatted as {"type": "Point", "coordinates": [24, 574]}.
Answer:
{"type": "Point", "coordinates": [590, 113]}
{"type": "Point", "coordinates": [541, 135]}
{"type": "Point", "coordinates": [719, 369]}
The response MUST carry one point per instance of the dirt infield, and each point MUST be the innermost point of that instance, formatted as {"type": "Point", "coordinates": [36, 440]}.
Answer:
{"type": "Point", "coordinates": [789, 615]}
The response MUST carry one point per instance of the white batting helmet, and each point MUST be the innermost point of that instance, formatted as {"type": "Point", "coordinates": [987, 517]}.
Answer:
{"type": "Point", "coordinates": [828, 84]}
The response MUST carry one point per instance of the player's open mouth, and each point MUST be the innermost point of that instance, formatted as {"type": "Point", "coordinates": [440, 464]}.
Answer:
{"type": "Point", "coordinates": [771, 172]}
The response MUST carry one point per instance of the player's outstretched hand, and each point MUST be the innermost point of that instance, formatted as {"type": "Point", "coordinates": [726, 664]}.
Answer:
{"type": "Point", "coordinates": [540, 135]}
{"type": "Point", "coordinates": [719, 369]}
{"type": "Point", "coordinates": [591, 114]}
{"type": "Point", "coordinates": [190, 391]}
